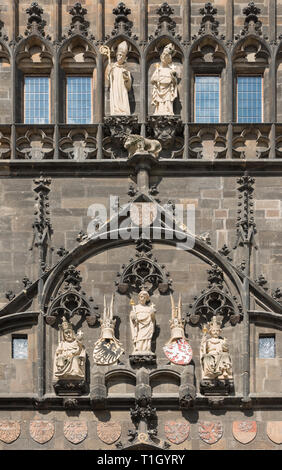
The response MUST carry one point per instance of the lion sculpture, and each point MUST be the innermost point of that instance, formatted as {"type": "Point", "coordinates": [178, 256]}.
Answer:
{"type": "Point", "coordinates": [138, 144]}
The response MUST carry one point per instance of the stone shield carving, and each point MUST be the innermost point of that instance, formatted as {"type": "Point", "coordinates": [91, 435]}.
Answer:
{"type": "Point", "coordinates": [210, 432]}
{"type": "Point", "coordinates": [179, 352]}
{"type": "Point", "coordinates": [274, 431]}
{"type": "Point", "coordinates": [176, 431]}
{"type": "Point", "coordinates": [109, 432]}
{"type": "Point", "coordinates": [41, 431]}
{"type": "Point", "coordinates": [9, 431]}
{"type": "Point", "coordinates": [75, 431]}
{"type": "Point", "coordinates": [244, 431]}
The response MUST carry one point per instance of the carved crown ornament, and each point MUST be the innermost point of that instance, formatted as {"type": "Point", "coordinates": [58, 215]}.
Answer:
{"type": "Point", "coordinates": [70, 302]}
{"type": "Point", "coordinates": [215, 301]}
{"type": "Point", "coordinates": [143, 272]}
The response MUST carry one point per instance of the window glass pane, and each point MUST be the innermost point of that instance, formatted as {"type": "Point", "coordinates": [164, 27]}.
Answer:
{"type": "Point", "coordinates": [249, 99]}
{"type": "Point", "coordinates": [36, 100]}
{"type": "Point", "coordinates": [19, 348]}
{"type": "Point", "coordinates": [207, 99]}
{"type": "Point", "coordinates": [79, 100]}
{"type": "Point", "coordinates": [266, 347]}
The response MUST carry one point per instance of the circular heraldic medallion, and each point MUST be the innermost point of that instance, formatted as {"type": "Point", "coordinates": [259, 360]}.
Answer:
{"type": "Point", "coordinates": [179, 352]}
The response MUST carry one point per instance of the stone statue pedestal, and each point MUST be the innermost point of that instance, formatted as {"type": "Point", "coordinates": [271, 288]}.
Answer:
{"type": "Point", "coordinates": [142, 359]}
{"type": "Point", "coordinates": [68, 387]}
{"type": "Point", "coordinates": [217, 387]}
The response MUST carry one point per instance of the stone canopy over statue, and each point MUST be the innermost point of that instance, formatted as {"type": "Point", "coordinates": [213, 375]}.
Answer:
{"type": "Point", "coordinates": [142, 324]}
{"type": "Point", "coordinates": [164, 81]}
{"type": "Point", "coordinates": [70, 356]}
{"type": "Point", "coordinates": [119, 81]}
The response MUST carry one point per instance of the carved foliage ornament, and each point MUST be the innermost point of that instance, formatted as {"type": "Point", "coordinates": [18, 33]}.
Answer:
{"type": "Point", "coordinates": [209, 25]}
{"type": "Point", "coordinates": [252, 24]}
{"type": "Point", "coordinates": [165, 23]}
{"type": "Point", "coordinates": [35, 22]}
{"type": "Point", "coordinates": [78, 23]}
{"type": "Point", "coordinates": [143, 272]}
{"type": "Point", "coordinates": [122, 24]}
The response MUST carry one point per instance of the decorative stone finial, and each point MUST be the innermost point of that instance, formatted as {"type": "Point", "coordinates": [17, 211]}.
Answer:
{"type": "Point", "coordinates": [209, 25]}
{"type": "Point", "coordinates": [122, 23]}
{"type": "Point", "coordinates": [165, 23]}
{"type": "Point", "coordinates": [252, 24]}
{"type": "Point", "coordinates": [35, 22]}
{"type": "Point", "coordinates": [78, 23]}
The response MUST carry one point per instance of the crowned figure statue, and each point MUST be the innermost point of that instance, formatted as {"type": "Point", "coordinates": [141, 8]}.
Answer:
{"type": "Point", "coordinates": [214, 354]}
{"type": "Point", "coordinates": [69, 361]}
{"type": "Point", "coordinates": [164, 81]}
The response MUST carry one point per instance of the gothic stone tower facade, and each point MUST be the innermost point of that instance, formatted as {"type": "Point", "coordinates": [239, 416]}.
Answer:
{"type": "Point", "coordinates": [175, 109]}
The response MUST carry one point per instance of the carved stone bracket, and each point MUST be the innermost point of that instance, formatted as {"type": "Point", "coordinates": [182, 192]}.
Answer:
{"type": "Point", "coordinates": [70, 387]}
{"type": "Point", "coordinates": [142, 359]}
{"type": "Point", "coordinates": [168, 130]}
{"type": "Point", "coordinates": [143, 272]}
{"type": "Point", "coordinates": [70, 301]}
{"type": "Point", "coordinates": [117, 129]}
{"type": "Point", "coordinates": [217, 387]}
{"type": "Point", "coordinates": [215, 301]}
